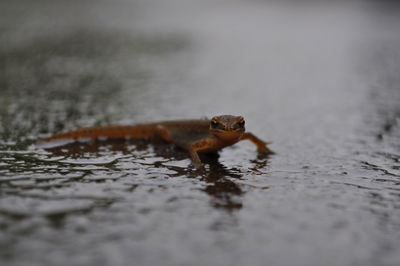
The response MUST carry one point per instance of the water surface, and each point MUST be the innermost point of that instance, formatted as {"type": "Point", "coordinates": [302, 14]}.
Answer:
{"type": "Point", "coordinates": [318, 79]}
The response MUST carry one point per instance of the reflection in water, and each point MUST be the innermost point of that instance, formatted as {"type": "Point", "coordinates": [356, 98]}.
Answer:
{"type": "Point", "coordinates": [259, 163]}
{"type": "Point", "coordinates": [225, 193]}
{"type": "Point", "coordinates": [220, 182]}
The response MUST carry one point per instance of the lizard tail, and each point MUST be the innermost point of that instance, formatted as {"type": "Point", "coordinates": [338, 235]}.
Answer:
{"type": "Point", "coordinates": [107, 132]}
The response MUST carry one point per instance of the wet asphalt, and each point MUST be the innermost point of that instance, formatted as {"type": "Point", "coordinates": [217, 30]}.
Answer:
{"type": "Point", "coordinates": [318, 79]}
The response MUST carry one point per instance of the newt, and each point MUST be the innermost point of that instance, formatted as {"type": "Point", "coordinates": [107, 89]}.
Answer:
{"type": "Point", "coordinates": [195, 136]}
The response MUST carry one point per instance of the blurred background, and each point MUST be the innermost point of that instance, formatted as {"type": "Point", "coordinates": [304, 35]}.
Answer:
{"type": "Point", "coordinates": [318, 78]}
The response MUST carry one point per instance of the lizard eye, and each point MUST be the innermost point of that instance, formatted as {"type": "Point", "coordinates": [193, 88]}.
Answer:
{"type": "Point", "coordinates": [216, 125]}
{"type": "Point", "coordinates": [239, 124]}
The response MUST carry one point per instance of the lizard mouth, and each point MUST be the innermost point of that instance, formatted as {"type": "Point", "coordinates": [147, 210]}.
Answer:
{"type": "Point", "coordinates": [228, 135]}
{"type": "Point", "coordinates": [228, 130]}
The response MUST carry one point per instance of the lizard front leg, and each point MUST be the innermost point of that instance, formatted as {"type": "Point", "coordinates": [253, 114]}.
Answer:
{"type": "Point", "coordinates": [261, 145]}
{"type": "Point", "coordinates": [197, 146]}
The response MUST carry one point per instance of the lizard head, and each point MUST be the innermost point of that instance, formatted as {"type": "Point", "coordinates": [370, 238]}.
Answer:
{"type": "Point", "coordinates": [227, 127]}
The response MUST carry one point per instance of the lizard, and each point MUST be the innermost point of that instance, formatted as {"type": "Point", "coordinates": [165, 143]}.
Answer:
{"type": "Point", "coordinates": [201, 135]}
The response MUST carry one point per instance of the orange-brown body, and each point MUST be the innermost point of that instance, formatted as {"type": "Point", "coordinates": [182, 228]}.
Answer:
{"type": "Point", "coordinates": [193, 135]}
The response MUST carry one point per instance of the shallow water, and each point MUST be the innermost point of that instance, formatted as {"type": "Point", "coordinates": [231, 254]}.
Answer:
{"type": "Point", "coordinates": [318, 79]}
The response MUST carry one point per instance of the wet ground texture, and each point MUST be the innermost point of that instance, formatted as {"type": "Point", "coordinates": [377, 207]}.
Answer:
{"type": "Point", "coordinates": [321, 80]}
